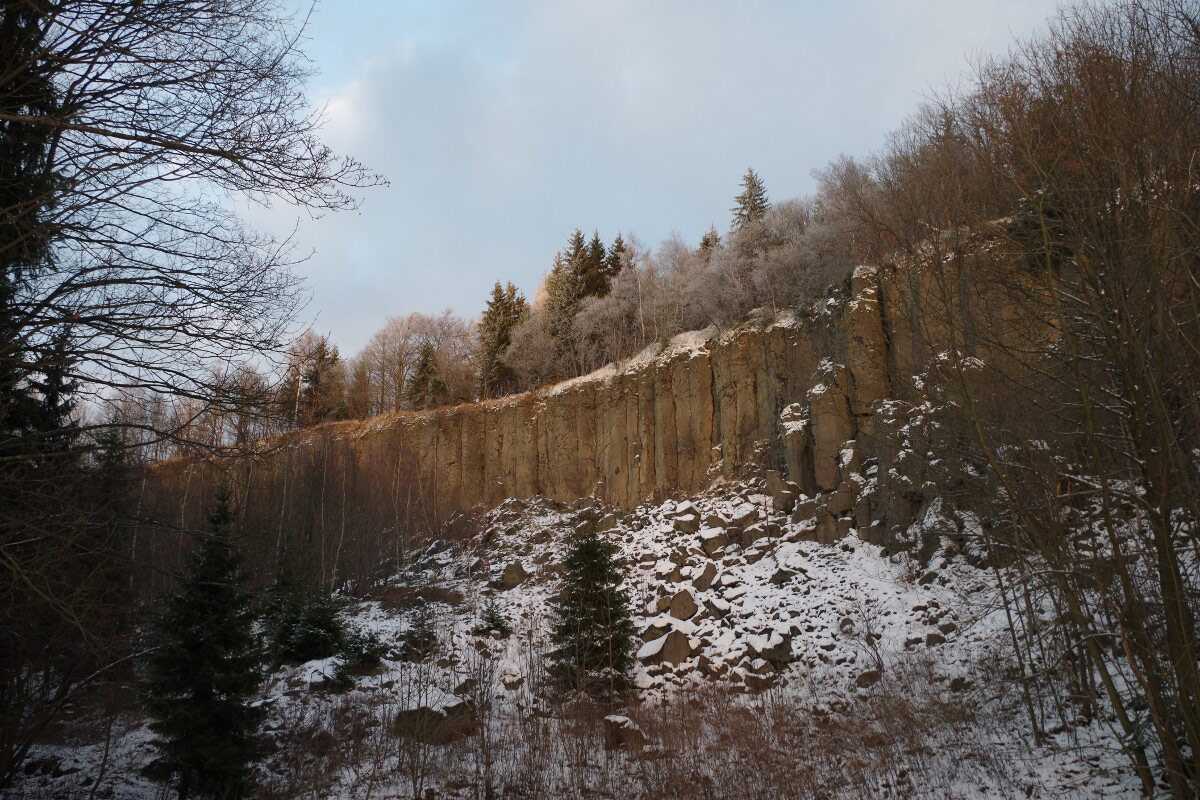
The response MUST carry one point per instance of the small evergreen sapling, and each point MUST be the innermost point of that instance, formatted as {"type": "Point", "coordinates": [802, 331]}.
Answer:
{"type": "Point", "coordinates": [302, 622]}
{"type": "Point", "coordinates": [419, 640]}
{"type": "Point", "coordinates": [492, 620]}
{"type": "Point", "coordinates": [203, 672]}
{"type": "Point", "coordinates": [592, 633]}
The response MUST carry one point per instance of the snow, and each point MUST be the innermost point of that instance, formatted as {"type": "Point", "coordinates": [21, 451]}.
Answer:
{"type": "Point", "coordinates": [827, 610]}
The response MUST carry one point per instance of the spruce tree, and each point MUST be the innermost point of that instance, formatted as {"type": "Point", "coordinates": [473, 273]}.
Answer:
{"type": "Point", "coordinates": [322, 386]}
{"type": "Point", "coordinates": [564, 295]}
{"type": "Point", "coordinates": [203, 672]}
{"type": "Point", "coordinates": [710, 241]}
{"type": "Point", "coordinates": [752, 203]}
{"type": "Point", "coordinates": [592, 629]}
{"type": "Point", "coordinates": [592, 268]}
{"type": "Point", "coordinates": [615, 261]}
{"type": "Point", "coordinates": [424, 388]}
{"type": "Point", "coordinates": [505, 310]}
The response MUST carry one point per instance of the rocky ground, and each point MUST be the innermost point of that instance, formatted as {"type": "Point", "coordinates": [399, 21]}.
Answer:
{"type": "Point", "coordinates": [768, 665]}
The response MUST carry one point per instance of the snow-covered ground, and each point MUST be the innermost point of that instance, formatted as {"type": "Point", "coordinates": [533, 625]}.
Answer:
{"type": "Point", "coordinates": [768, 665]}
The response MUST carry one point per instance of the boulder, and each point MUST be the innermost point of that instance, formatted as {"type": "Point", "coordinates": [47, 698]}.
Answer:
{"type": "Point", "coordinates": [687, 523]}
{"type": "Point", "coordinates": [656, 629]}
{"type": "Point", "coordinates": [685, 508]}
{"type": "Point", "coordinates": [868, 678]}
{"type": "Point", "coordinates": [683, 605]}
{"type": "Point", "coordinates": [753, 533]}
{"type": "Point", "coordinates": [713, 539]}
{"type": "Point", "coordinates": [783, 492]}
{"type": "Point", "coordinates": [804, 509]}
{"type": "Point", "coordinates": [715, 521]}
{"type": "Point", "coordinates": [744, 514]}
{"type": "Point", "coordinates": [513, 576]}
{"type": "Point", "coordinates": [717, 607]}
{"type": "Point", "coordinates": [797, 445]}
{"type": "Point", "coordinates": [433, 716]}
{"type": "Point", "coordinates": [672, 649]}
{"type": "Point", "coordinates": [784, 501]}
{"type": "Point", "coordinates": [703, 580]}
{"type": "Point", "coordinates": [622, 733]}
{"type": "Point", "coordinates": [774, 648]}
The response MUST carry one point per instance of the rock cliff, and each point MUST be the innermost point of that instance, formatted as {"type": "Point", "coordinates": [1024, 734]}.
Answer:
{"type": "Point", "coordinates": [786, 395]}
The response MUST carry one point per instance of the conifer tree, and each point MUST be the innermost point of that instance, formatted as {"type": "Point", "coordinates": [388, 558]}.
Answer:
{"type": "Point", "coordinates": [505, 310]}
{"type": "Point", "coordinates": [322, 389]}
{"type": "Point", "coordinates": [592, 268]}
{"type": "Point", "coordinates": [564, 295]}
{"type": "Point", "coordinates": [592, 632]}
{"type": "Point", "coordinates": [615, 261]}
{"type": "Point", "coordinates": [204, 670]}
{"type": "Point", "coordinates": [710, 241]}
{"type": "Point", "coordinates": [752, 203]}
{"type": "Point", "coordinates": [424, 388]}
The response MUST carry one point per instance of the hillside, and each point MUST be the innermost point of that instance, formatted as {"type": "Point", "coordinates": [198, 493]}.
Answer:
{"type": "Point", "coordinates": [769, 665]}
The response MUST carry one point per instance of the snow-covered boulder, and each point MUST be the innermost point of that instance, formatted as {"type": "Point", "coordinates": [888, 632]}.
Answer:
{"type": "Point", "coordinates": [434, 716]}
{"type": "Point", "coordinates": [622, 733]}
{"type": "Point", "coordinates": [683, 605]}
{"type": "Point", "coordinates": [672, 649]}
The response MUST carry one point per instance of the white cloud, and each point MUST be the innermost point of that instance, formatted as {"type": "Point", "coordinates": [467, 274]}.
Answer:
{"type": "Point", "coordinates": [504, 127]}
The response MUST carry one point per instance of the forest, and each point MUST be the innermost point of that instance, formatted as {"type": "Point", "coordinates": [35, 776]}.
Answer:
{"type": "Point", "coordinates": [146, 329]}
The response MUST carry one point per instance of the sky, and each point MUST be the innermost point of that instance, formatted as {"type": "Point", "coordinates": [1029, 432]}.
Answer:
{"type": "Point", "coordinates": [503, 126]}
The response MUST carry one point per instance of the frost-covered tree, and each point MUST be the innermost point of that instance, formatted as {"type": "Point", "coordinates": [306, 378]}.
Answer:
{"type": "Point", "coordinates": [752, 203]}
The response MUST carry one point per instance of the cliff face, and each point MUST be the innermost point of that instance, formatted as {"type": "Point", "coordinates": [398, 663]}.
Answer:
{"type": "Point", "coordinates": [707, 406]}
{"type": "Point", "coordinates": [804, 403]}
{"type": "Point", "coordinates": [704, 407]}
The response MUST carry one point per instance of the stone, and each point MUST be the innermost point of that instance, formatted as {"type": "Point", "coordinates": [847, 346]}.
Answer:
{"type": "Point", "coordinates": [797, 446]}
{"type": "Point", "coordinates": [744, 514]}
{"type": "Point", "coordinates": [753, 533]}
{"type": "Point", "coordinates": [712, 520]}
{"type": "Point", "coordinates": [934, 639]}
{"type": "Point", "coordinates": [826, 532]}
{"type": "Point", "coordinates": [868, 678]}
{"type": "Point", "coordinates": [657, 628]}
{"type": "Point", "coordinates": [783, 492]}
{"type": "Point", "coordinates": [839, 501]}
{"type": "Point", "coordinates": [804, 509]}
{"type": "Point", "coordinates": [759, 683]}
{"type": "Point", "coordinates": [622, 733]}
{"type": "Point", "coordinates": [685, 508]}
{"type": "Point", "coordinates": [668, 572]}
{"type": "Point", "coordinates": [672, 649]}
{"type": "Point", "coordinates": [843, 527]}
{"type": "Point", "coordinates": [436, 717]}
{"type": "Point", "coordinates": [712, 540]}
{"type": "Point", "coordinates": [782, 576]}
{"type": "Point", "coordinates": [688, 523]}
{"type": "Point", "coordinates": [657, 606]}
{"type": "Point", "coordinates": [784, 501]}
{"type": "Point", "coordinates": [683, 605]}
{"type": "Point", "coordinates": [513, 576]}
{"type": "Point", "coordinates": [775, 648]}
{"type": "Point", "coordinates": [717, 607]}
{"type": "Point", "coordinates": [704, 579]}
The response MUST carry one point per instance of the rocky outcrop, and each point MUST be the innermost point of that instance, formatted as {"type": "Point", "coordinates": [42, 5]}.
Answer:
{"type": "Point", "coordinates": [704, 407]}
